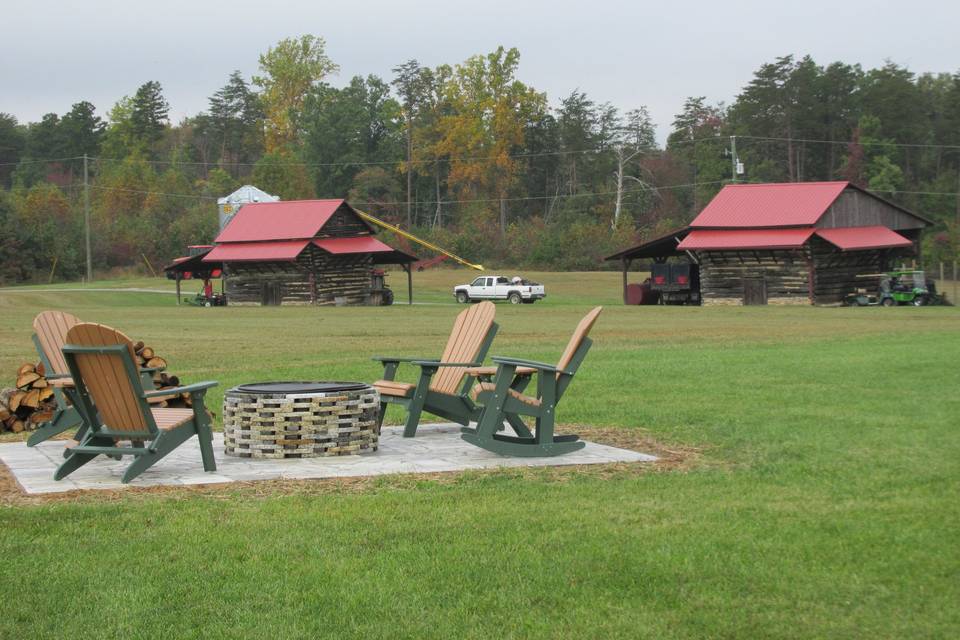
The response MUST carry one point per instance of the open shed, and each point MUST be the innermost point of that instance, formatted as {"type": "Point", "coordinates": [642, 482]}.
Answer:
{"type": "Point", "coordinates": [789, 243]}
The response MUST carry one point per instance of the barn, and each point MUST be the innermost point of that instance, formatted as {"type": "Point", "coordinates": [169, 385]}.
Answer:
{"type": "Point", "coordinates": [789, 243]}
{"type": "Point", "coordinates": [302, 252]}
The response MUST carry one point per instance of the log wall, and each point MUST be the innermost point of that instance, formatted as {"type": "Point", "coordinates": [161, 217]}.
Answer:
{"type": "Point", "coordinates": [316, 277]}
{"type": "Point", "coordinates": [785, 273]}
{"type": "Point", "coordinates": [835, 271]}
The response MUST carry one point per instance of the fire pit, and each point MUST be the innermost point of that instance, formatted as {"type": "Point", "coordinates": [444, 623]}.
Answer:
{"type": "Point", "coordinates": [300, 419]}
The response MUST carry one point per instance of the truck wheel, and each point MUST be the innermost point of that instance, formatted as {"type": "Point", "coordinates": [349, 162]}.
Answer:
{"type": "Point", "coordinates": [919, 301]}
{"type": "Point", "coordinates": [889, 302]}
{"type": "Point", "coordinates": [515, 298]}
{"type": "Point", "coordinates": [386, 298]}
{"type": "Point", "coordinates": [462, 297]}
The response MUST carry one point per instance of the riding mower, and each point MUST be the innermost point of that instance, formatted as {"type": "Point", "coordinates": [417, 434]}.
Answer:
{"type": "Point", "coordinates": [897, 288]}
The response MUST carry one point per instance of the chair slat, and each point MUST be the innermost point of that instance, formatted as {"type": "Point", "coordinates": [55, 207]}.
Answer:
{"type": "Point", "coordinates": [470, 329]}
{"type": "Point", "coordinates": [107, 379]}
{"type": "Point", "coordinates": [51, 328]}
{"type": "Point", "coordinates": [581, 332]}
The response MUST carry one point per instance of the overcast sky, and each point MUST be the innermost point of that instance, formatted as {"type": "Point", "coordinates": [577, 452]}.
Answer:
{"type": "Point", "coordinates": [53, 54]}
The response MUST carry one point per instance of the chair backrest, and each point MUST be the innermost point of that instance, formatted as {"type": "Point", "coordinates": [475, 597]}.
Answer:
{"type": "Point", "coordinates": [468, 339]}
{"type": "Point", "coordinates": [579, 335]}
{"type": "Point", "coordinates": [107, 377]}
{"type": "Point", "coordinates": [51, 329]}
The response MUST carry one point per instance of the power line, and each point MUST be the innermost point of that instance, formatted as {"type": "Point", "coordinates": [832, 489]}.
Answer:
{"type": "Point", "coordinates": [858, 142]}
{"type": "Point", "coordinates": [431, 202]}
{"type": "Point", "coordinates": [47, 160]}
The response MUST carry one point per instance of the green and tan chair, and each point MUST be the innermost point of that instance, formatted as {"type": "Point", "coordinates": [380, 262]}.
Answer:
{"type": "Point", "coordinates": [443, 387]}
{"type": "Point", "coordinates": [116, 408]}
{"type": "Point", "coordinates": [502, 401]}
{"type": "Point", "coordinates": [49, 335]}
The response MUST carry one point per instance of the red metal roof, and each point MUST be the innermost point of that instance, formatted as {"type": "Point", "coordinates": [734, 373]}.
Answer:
{"type": "Point", "coordinates": [859, 238]}
{"type": "Point", "coordinates": [789, 204]}
{"type": "Point", "coordinates": [360, 244]}
{"type": "Point", "coordinates": [720, 239]}
{"type": "Point", "coordinates": [260, 221]}
{"type": "Point", "coordinates": [279, 250]}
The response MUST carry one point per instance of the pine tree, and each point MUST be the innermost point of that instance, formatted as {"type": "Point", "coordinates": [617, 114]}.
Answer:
{"type": "Point", "coordinates": [149, 113]}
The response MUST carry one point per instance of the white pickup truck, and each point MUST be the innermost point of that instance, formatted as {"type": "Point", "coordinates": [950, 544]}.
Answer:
{"type": "Point", "coordinates": [515, 290]}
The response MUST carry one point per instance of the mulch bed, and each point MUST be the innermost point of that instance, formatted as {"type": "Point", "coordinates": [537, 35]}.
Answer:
{"type": "Point", "coordinates": [672, 458]}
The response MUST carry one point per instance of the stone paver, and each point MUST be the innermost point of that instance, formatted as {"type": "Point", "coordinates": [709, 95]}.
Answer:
{"type": "Point", "coordinates": [437, 447]}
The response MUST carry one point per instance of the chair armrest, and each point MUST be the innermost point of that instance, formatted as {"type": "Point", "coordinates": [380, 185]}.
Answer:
{"type": "Point", "coordinates": [437, 363]}
{"type": "Point", "coordinates": [480, 372]}
{"type": "Point", "coordinates": [539, 366]}
{"type": "Point", "coordinates": [394, 359]}
{"type": "Point", "coordinates": [190, 388]}
{"type": "Point", "coordinates": [56, 376]}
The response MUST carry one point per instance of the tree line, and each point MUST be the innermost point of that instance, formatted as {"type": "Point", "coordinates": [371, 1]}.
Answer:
{"type": "Point", "coordinates": [467, 155]}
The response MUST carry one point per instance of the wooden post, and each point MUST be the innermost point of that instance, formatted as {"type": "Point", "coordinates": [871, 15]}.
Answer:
{"type": "Point", "coordinates": [409, 283]}
{"type": "Point", "coordinates": [623, 262]}
{"type": "Point", "coordinates": [178, 287]}
{"type": "Point", "coordinates": [954, 282]}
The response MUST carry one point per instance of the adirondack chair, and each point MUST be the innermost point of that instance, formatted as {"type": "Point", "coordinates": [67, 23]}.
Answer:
{"type": "Point", "coordinates": [502, 402]}
{"type": "Point", "coordinates": [443, 386]}
{"type": "Point", "coordinates": [101, 362]}
{"type": "Point", "coordinates": [50, 332]}
{"type": "Point", "coordinates": [49, 335]}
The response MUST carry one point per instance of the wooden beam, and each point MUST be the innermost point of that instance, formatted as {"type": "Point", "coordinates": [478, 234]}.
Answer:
{"type": "Point", "coordinates": [409, 271]}
{"type": "Point", "coordinates": [625, 265]}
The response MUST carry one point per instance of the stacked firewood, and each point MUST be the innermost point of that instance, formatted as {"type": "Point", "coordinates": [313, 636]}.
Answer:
{"type": "Point", "coordinates": [147, 357]}
{"type": "Point", "coordinates": [30, 403]}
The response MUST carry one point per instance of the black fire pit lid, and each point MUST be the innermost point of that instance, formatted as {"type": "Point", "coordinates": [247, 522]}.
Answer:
{"type": "Point", "coordinates": [300, 387]}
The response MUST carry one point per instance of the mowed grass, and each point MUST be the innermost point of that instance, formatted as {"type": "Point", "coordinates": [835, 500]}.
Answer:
{"type": "Point", "coordinates": [826, 501]}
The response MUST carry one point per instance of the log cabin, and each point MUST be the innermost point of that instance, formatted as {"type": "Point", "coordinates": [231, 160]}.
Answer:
{"type": "Point", "coordinates": [301, 252]}
{"type": "Point", "coordinates": [789, 243]}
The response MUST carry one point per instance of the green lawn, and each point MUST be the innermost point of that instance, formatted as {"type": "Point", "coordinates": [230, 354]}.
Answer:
{"type": "Point", "coordinates": [826, 501]}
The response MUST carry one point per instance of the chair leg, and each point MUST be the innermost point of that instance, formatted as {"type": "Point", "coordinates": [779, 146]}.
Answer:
{"type": "Point", "coordinates": [76, 460]}
{"type": "Point", "coordinates": [519, 426]}
{"type": "Point", "coordinates": [62, 420]}
{"type": "Point", "coordinates": [166, 442]}
{"type": "Point", "coordinates": [205, 436]}
{"type": "Point", "coordinates": [381, 414]}
{"type": "Point", "coordinates": [413, 417]}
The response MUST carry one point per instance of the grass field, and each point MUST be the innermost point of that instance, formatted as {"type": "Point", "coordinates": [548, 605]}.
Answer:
{"type": "Point", "coordinates": [824, 502]}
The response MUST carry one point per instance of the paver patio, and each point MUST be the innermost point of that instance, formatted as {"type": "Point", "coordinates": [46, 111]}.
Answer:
{"type": "Point", "coordinates": [437, 447]}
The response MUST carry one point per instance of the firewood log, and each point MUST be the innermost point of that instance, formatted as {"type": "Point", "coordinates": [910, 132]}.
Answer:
{"type": "Point", "coordinates": [40, 383]}
{"type": "Point", "coordinates": [24, 380]}
{"type": "Point", "coordinates": [16, 399]}
{"type": "Point", "coordinates": [156, 363]}
{"type": "Point", "coordinates": [17, 426]}
{"type": "Point", "coordinates": [138, 346]}
{"type": "Point", "coordinates": [38, 417]}
{"type": "Point", "coordinates": [26, 368]}
{"type": "Point", "coordinates": [146, 353]}
{"type": "Point", "coordinates": [32, 399]}
{"type": "Point", "coordinates": [45, 394]}
{"type": "Point", "coordinates": [4, 412]}
{"type": "Point", "coordinates": [40, 369]}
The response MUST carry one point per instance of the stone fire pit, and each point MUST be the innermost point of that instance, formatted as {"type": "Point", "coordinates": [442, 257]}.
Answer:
{"type": "Point", "coordinates": [300, 419]}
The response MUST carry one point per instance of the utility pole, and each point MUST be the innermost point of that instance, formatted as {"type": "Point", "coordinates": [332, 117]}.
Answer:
{"type": "Point", "coordinates": [733, 158]}
{"type": "Point", "coordinates": [86, 217]}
